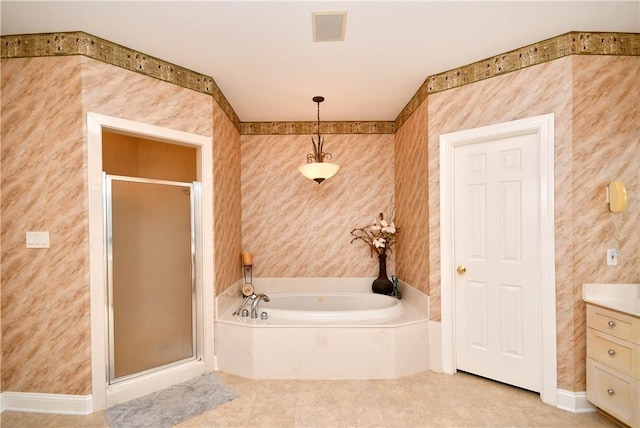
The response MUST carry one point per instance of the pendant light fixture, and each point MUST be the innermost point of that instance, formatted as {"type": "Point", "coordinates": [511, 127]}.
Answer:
{"type": "Point", "coordinates": [316, 168]}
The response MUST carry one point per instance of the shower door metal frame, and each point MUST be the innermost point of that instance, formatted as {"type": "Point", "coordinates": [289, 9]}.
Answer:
{"type": "Point", "coordinates": [194, 195]}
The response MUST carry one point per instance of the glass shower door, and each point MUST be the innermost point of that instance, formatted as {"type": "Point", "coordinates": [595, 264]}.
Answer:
{"type": "Point", "coordinates": [150, 270]}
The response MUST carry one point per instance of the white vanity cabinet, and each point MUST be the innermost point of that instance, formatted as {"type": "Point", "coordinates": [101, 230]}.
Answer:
{"type": "Point", "coordinates": [613, 363]}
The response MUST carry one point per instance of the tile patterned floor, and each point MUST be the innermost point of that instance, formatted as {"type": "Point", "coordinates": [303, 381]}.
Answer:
{"type": "Point", "coordinates": [422, 400]}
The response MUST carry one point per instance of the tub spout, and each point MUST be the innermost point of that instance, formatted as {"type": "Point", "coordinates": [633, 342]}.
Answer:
{"type": "Point", "coordinates": [255, 302]}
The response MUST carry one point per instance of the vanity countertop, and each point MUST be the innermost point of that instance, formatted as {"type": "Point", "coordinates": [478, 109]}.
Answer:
{"type": "Point", "coordinates": [620, 297]}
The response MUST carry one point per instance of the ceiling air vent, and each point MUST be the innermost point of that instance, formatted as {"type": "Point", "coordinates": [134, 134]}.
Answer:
{"type": "Point", "coordinates": [329, 26]}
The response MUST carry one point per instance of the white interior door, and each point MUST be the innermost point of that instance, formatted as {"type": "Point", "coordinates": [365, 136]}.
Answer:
{"type": "Point", "coordinates": [496, 252]}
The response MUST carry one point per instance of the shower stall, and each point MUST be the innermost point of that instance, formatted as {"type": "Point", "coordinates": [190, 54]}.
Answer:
{"type": "Point", "coordinates": [150, 268]}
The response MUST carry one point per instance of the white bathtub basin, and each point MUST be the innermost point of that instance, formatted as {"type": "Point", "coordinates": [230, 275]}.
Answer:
{"type": "Point", "coordinates": [332, 306]}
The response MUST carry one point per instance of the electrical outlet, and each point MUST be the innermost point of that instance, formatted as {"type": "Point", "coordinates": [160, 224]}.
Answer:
{"type": "Point", "coordinates": [612, 257]}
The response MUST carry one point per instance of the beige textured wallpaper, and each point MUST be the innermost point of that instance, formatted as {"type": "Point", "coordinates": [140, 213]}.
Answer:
{"type": "Point", "coordinates": [45, 293]}
{"type": "Point", "coordinates": [537, 90]}
{"type": "Point", "coordinates": [606, 147]}
{"type": "Point", "coordinates": [297, 228]}
{"type": "Point", "coordinates": [226, 203]}
{"type": "Point", "coordinates": [594, 100]}
{"type": "Point", "coordinates": [412, 200]}
{"type": "Point", "coordinates": [294, 227]}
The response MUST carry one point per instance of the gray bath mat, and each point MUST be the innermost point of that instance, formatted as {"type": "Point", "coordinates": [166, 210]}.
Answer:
{"type": "Point", "coordinates": [170, 406]}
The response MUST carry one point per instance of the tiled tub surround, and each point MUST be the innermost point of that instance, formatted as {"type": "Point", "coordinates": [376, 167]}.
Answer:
{"type": "Point", "coordinates": [316, 349]}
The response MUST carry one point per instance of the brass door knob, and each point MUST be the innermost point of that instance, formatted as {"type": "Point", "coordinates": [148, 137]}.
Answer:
{"type": "Point", "coordinates": [461, 270]}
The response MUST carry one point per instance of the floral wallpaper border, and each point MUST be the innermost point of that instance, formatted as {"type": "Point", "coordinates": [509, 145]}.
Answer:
{"type": "Point", "coordinates": [572, 43]}
{"type": "Point", "coordinates": [302, 128]}
{"type": "Point", "coordinates": [81, 43]}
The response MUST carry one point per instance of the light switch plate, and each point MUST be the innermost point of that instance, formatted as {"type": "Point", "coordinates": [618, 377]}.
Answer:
{"type": "Point", "coordinates": [38, 239]}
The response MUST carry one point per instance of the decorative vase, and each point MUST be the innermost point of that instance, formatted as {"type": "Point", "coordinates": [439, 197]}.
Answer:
{"type": "Point", "coordinates": [382, 285]}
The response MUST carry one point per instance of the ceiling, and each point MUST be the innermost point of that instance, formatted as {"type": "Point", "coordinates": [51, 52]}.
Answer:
{"type": "Point", "coordinates": [262, 55]}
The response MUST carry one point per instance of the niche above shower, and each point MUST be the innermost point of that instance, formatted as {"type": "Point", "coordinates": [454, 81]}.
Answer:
{"type": "Point", "coordinates": [134, 156]}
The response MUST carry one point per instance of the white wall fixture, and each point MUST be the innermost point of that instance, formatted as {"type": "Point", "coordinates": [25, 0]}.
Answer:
{"type": "Point", "coordinates": [38, 239]}
{"type": "Point", "coordinates": [329, 26]}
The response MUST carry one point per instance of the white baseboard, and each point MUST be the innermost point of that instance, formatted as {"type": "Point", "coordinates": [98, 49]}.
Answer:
{"type": "Point", "coordinates": [435, 346]}
{"type": "Point", "coordinates": [575, 402]}
{"type": "Point", "coordinates": [46, 403]}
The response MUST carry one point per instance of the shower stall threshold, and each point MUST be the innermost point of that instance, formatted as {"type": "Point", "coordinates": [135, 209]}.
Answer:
{"type": "Point", "coordinates": [153, 381]}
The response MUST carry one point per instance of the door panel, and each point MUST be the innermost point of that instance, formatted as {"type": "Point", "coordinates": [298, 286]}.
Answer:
{"type": "Point", "coordinates": [478, 226]}
{"type": "Point", "coordinates": [510, 226]}
{"type": "Point", "coordinates": [150, 272]}
{"type": "Point", "coordinates": [477, 311]}
{"type": "Point", "coordinates": [511, 317]}
{"type": "Point", "coordinates": [497, 330]}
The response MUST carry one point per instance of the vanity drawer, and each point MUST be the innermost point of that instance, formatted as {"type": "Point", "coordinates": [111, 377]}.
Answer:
{"type": "Point", "coordinates": [615, 353]}
{"type": "Point", "coordinates": [622, 326]}
{"type": "Point", "coordinates": [615, 393]}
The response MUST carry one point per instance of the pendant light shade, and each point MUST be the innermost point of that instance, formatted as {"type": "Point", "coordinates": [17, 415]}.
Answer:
{"type": "Point", "coordinates": [319, 171]}
{"type": "Point", "coordinates": [316, 168]}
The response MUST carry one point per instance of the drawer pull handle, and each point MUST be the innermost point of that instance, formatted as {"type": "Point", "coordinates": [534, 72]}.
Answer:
{"type": "Point", "coordinates": [611, 352]}
{"type": "Point", "coordinates": [611, 323]}
{"type": "Point", "coordinates": [610, 391]}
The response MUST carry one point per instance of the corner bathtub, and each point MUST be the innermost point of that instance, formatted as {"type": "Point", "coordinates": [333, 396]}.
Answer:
{"type": "Point", "coordinates": [331, 306]}
{"type": "Point", "coordinates": [322, 335]}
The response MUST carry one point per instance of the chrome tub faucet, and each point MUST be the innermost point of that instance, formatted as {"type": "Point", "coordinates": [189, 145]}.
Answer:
{"type": "Point", "coordinates": [255, 301]}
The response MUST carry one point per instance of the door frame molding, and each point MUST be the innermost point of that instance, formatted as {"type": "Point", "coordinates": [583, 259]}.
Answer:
{"type": "Point", "coordinates": [102, 394]}
{"type": "Point", "coordinates": [542, 125]}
